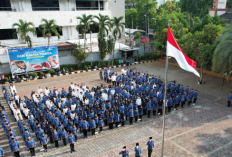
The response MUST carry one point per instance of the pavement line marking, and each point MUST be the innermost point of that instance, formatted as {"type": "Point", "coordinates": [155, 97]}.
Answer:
{"type": "Point", "coordinates": [218, 148]}
{"type": "Point", "coordinates": [181, 147]}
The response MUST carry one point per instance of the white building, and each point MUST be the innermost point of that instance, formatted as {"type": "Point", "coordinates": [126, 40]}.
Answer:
{"type": "Point", "coordinates": [64, 12]}
{"type": "Point", "coordinates": [219, 8]}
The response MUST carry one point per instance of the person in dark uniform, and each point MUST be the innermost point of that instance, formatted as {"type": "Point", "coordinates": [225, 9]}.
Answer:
{"type": "Point", "coordinates": [55, 138]}
{"type": "Point", "coordinates": [124, 152]}
{"type": "Point", "coordinates": [14, 146]}
{"type": "Point", "coordinates": [84, 128]}
{"type": "Point", "coordinates": [64, 136]}
{"type": "Point", "coordinates": [137, 150]}
{"type": "Point", "coordinates": [44, 142]}
{"type": "Point", "coordinates": [31, 145]}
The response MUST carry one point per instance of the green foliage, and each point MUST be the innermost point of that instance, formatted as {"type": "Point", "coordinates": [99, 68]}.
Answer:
{"type": "Point", "coordinates": [222, 57]}
{"type": "Point", "coordinates": [99, 66]}
{"type": "Point", "coordinates": [49, 27]}
{"type": "Point", "coordinates": [33, 74]}
{"type": "Point", "coordinates": [229, 4]}
{"type": "Point", "coordinates": [23, 28]}
{"type": "Point", "coordinates": [129, 15]}
{"type": "Point", "coordinates": [103, 23]}
{"type": "Point", "coordinates": [22, 77]}
{"type": "Point", "coordinates": [6, 79]}
{"type": "Point", "coordinates": [197, 8]}
{"type": "Point", "coordinates": [52, 72]}
{"type": "Point", "coordinates": [102, 45]}
{"type": "Point", "coordinates": [79, 53]}
{"type": "Point", "coordinates": [86, 68]}
{"type": "Point", "coordinates": [41, 73]}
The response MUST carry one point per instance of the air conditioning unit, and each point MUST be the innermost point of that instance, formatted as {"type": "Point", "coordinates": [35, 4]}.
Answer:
{"type": "Point", "coordinates": [14, 10]}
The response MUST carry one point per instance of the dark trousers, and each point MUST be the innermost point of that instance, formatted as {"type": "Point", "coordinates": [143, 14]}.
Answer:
{"type": "Point", "coordinates": [194, 100]}
{"type": "Point", "coordinates": [229, 102]}
{"type": "Point", "coordinates": [141, 117]}
{"type": "Point", "coordinates": [72, 147]}
{"type": "Point", "coordinates": [65, 141]}
{"type": "Point", "coordinates": [56, 143]}
{"type": "Point", "coordinates": [16, 154]}
{"type": "Point", "coordinates": [160, 110]}
{"type": "Point", "coordinates": [45, 147]}
{"type": "Point", "coordinates": [136, 118]}
{"type": "Point", "coordinates": [111, 126]}
{"type": "Point", "coordinates": [169, 108]}
{"type": "Point", "coordinates": [105, 121]}
{"type": "Point", "coordinates": [148, 113]}
{"type": "Point", "coordinates": [85, 131]}
{"type": "Point", "coordinates": [114, 83]}
{"type": "Point", "coordinates": [182, 103]}
{"type": "Point", "coordinates": [100, 128]}
{"type": "Point", "coordinates": [51, 140]}
{"type": "Point", "coordinates": [149, 152]}
{"type": "Point", "coordinates": [32, 151]}
{"type": "Point", "coordinates": [189, 102]}
{"type": "Point", "coordinates": [122, 123]}
{"type": "Point", "coordinates": [93, 131]}
{"type": "Point", "coordinates": [154, 112]}
{"type": "Point", "coordinates": [176, 106]}
{"type": "Point", "coordinates": [131, 120]}
{"type": "Point", "coordinates": [116, 124]}
{"type": "Point", "coordinates": [75, 137]}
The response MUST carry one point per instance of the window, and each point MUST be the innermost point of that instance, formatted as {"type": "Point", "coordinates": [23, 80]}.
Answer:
{"type": "Point", "coordinates": [5, 5]}
{"type": "Point", "coordinates": [7, 34]}
{"type": "Point", "coordinates": [88, 5]}
{"type": "Point", "coordinates": [39, 34]}
{"type": "Point", "coordinates": [93, 27]}
{"type": "Point", "coordinates": [45, 5]}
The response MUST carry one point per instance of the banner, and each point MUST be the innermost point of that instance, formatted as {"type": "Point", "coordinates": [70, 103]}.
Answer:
{"type": "Point", "coordinates": [33, 59]}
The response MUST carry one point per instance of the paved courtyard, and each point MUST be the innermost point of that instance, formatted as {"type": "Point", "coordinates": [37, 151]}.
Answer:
{"type": "Point", "coordinates": [201, 130]}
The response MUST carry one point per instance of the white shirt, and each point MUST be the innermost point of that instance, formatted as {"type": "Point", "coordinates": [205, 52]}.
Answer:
{"type": "Point", "coordinates": [46, 91]}
{"type": "Point", "coordinates": [26, 111]}
{"type": "Point", "coordinates": [86, 101]}
{"type": "Point", "coordinates": [113, 78]}
{"type": "Point", "coordinates": [104, 96]}
{"type": "Point", "coordinates": [12, 89]}
{"type": "Point", "coordinates": [92, 93]}
{"type": "Point", "coordinates": [72, 115]}
{"type": "Point", "coordinates": [40, 90]}
{"type": "Point", "coordinates": [21, 105]}
{"type": "Point", "coordinates": [72, 86]}
{"type": "Point", "coordinates": [138, 102]}
{"type": "Point", "coordinates": [73, 106]}
{"type": "Point", "coordinates": [65, 110]}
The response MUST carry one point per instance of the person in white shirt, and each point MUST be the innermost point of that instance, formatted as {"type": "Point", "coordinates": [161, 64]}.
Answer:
{"type": "Point", "coordinates": [72, 85]}
{"type": "Point", "coordinates": [16, 99]}
{"type": "Point", "coordinates": [73, 106]}
{"type": "Point", "coordinates": [50, 104]}
{"type": "Point", "coordinates": [17, 114]}
{"type": "Point", "coordinates": [13, 88]}
{"type": "Point", "coordinates": [21, 105]}
{"type": "Point", "coordinates": [86, 101]}
{"type": "Point", "coordinates": [46, 91]}
{"type": "Point", "coordinates": [123, 71]}
{"type": "Point", "coordinates": [113, 79]}
{"type": "Point", "coordinates": [139, 101]}
{"type": "Point", "coordinates": [81, 96]}
{"type": "Point", "coordinates": [92, 93]}
{"type": "Point", "coordinates": [26, 111]}
{"type": "Point", "coordinates": [40, 90]}
{"type": "Point", "coordinates": [72, 115]}
{"type": "Point", "coordinates": [104, 96]}
{"type": "Point", "coordinates": [65, 109]}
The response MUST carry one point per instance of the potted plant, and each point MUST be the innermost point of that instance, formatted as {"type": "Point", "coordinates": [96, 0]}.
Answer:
{"type": "Point", "coordinates": [51, 72]}
{"type": "Point", "coordinates": [86, 68]}
{"type": "Point", "coordinates": [41, 75]}
{"type": "Point", "coordinates": [66, 70]}
{"type": "Point", "coordinates": [35, 76]}
{"type": "Point", "coordinates": [6, 80]}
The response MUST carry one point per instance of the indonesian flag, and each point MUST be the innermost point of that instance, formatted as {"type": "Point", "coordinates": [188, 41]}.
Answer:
{"type": "Point", "coordinates": [174, 50]}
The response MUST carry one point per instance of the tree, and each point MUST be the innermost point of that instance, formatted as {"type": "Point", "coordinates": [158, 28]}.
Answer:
{"type": "Point", "coordinates": [129, 15]}
{"type": "Point", "coordinates": [222, 57]}
{"type": "Point", "coordinates": [137, 38]}
{"type": "Point", "coordinates": [23, 28]}
{"type": "Point", "coordinates": [49, 27]}
{"type": "Point", "coordinates": [118, 26]}
{"type": "Point", "coordinates": [197, 8]}
{"type": "Point", "coordinates": [79, 53]}
{"type": "Point", "coordinates": [84, 26]}
{"type": "Point", "coordinates": [104, 27]}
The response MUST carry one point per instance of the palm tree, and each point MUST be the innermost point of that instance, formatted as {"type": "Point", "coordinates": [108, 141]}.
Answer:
{"type": "Point", "coordinates": [118, 26]}
{"type": "Point", "coordinates": [222, 57]}
{"type": "Point", "coordinates": [84, 26]}
{"type": "Point", "coordinates": [49, 27]}
{"type": "Point", "coordinates": [22, 29]}
{"type": "Point", "coordinates": [104, 24]}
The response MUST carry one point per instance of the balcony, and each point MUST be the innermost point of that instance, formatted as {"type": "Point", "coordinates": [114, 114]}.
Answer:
{"type": "Point", "coordinates": [45, 8]}
{"type": "Point", "coordinates": [6, 9]}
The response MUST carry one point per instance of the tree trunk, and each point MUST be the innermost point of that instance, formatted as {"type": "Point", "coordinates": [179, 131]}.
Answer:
{"type": "Point", "coordinates": [48, 41]}
{"type": "Point", "coordinates": [201, 78]}
{"type": "Point", "coordinates": [161, 55]}
{"type": "Point", "coordinates": [84, 47]}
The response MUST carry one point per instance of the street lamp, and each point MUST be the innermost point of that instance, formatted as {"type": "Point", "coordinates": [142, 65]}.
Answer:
{"type": "Point", "coordinates": [132, 21]}
{"type": "Point", "coordinates": [146, 23]}
{"type": "Point", "coordinates": [91, 48]}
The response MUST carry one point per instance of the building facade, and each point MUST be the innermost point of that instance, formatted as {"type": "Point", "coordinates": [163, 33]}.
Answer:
{"type": "Point", "coordinates": [64, 12]}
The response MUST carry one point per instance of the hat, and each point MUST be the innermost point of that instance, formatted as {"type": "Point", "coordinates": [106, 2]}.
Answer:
{"type": "Point", "coordinates": [150, 138]}
{"type": "Point", "coordinates": [124, 147]}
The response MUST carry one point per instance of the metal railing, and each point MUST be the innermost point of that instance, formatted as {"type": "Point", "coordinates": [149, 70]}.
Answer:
{"type": "Point", "coordinates": [45, 8]}
{"type": "Point", "coordinates": [89, 8]}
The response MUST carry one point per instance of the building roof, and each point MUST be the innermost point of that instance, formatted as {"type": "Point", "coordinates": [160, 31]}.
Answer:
{"type": "Point", "coordinates": [227, 15]}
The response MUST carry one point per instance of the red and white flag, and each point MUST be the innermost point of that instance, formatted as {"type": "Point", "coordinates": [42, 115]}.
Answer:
{"type": "Point", "coordinates": [174, 50]}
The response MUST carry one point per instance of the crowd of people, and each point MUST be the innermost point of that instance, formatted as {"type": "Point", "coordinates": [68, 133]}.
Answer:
{"type": "Point", "coordinates": [55, 115]}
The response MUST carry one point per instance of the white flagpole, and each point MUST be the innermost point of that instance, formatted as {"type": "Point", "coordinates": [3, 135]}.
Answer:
{"type": "Point", "coordinates": [165, 94]}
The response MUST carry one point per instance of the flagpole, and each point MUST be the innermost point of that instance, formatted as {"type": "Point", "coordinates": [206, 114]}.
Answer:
{"type": "Point", "coordinates": [165, 94]}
